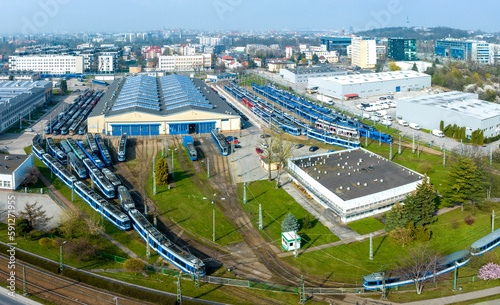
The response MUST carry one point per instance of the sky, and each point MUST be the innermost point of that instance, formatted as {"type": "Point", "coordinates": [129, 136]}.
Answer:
{"type": "Point", "coordinates": [44, 16]}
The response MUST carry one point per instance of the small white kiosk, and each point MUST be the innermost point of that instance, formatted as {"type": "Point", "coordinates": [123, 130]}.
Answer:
{"type": "Point", "coordinates": [290, 241]}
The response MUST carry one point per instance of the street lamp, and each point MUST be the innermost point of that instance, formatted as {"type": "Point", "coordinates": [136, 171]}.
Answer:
{"type": "Point", "coordinates": [116, 299]}
{"type": "Point", "coordinates": [61, 265]}
{"type": "Point", "coordinates": [213, 209]}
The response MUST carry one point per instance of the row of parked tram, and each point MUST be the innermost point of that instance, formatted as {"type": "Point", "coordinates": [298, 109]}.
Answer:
{"type": "Point", "coordinates": [108, 184]}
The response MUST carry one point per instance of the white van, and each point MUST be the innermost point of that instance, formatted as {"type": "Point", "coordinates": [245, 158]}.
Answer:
{"type": "Point", "coordinates": [438, 133]}
{"type": "Point", "coordinates": [375, 118]}
{"type": "Point", "coordinates": [403, 123]}
{"type": "Point", "coordinates": [415, 126]}
{"type": "Point", "coordinates": [366, 115]}
{"type": "Point", "coordinates": [386, 122]}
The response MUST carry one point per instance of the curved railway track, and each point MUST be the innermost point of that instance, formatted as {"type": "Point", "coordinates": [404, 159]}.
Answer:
{"type": "Point", "coordinates": [221, 181]}
{"type": "Point", "coordinates": [60, 290]}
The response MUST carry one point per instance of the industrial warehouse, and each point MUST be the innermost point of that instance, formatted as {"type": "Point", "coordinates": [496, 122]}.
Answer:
{"type": "Point", "coordinates": [369, 84]}
{"type": "Point", "coordinates": [353, 184]}
{"type": "Point", "coordinates": [461, 108]}
{"type": "Point", "coordinates": [171, 104]}
{"type": "Point", "coordinates": [19, 98]}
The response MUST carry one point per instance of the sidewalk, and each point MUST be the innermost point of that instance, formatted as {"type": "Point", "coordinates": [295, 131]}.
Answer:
{"type": "Point", "coordinates": [17, 299]}
{"type": "Point", "coordinates": [460, 297]}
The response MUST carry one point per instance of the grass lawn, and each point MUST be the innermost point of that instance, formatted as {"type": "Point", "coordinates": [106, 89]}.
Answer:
{"type": "Point", "coordinates": [276, 204]}
{"type": "Point", "coordinates": [185, 205]}
{"type": "Point", "coordinates": [365, 226]}
{"type": "Point", "coordinates": [350, 263]}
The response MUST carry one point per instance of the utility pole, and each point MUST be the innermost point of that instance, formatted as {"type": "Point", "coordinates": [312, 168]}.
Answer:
{"type": "Point", "coordinates": [148, 250]}
{"type": "Point", "coordinates": [213, 210]}
{"type": "Point", "coordinates": [179, 289]}
{"type": "Point", "coordinates": [491, 155]}
{"type": "Point", "coordinates": [461, 147]}
{"type": "Point", "coordinates": [25, 287]}
{"type": "Point", "coordinates": [154, 177]}
{"type": "Point", "coordinates": [455, 277]}
{"type": "Point", "coordinates": [197, 274]}
{"type": "Point", "coordinates": [384, 291]}
{"type": "Point", "coordinates": [72, 192]}
{"type": "Point", "coordinates": [208, 167]}
{"type": "Point", "coordinates": [444, 156]}
{"type": "Point", "coordinates": [399, 151]}
{"type": "Point", "coordinates": [413, 144]}
{"type": "Point", "coordinates": [302, 292]}
{"type": "Point", "coordinates": [261, 224]}
{"type": "Point", "coordinates": [295, 252]}
{"type": "Point", "coordinates": [244, 192]}
{"type": "Point", "coordinates": [390, 151]}
{"type": "Point", "coordinates": [492, 221]}
{"type": "Point", "coordinates": [371, 246]}
{"type": "Point", "coordinates": [366, 138]}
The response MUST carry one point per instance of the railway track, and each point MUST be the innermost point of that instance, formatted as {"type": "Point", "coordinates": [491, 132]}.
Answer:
{"type": "Point", "coordinates": [221, 181]}
{"type": "Point", "coordinates": [60, 290]}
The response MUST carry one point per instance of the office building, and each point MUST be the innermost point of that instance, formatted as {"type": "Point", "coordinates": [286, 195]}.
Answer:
{"type": "Point", "coordinates": [175, 63]}
{"type": "Point", "coordinates": [19, 98]}
{"type": "Point", "coordinates": [473, 50]}
{"type": "Point", "coordinates": [401, 49]}
{"type": "Point", "coordinates": [461, 108]}
{"type": "Point", "coordinates": [353, 184]}
{"type": "Point", "coordinates": [13, 170]}
{"type": "Point", "coordinates": [107, 63]}
{"type": "Point", "coordinates": [56, 64]}
{"type": "Point", "coordinates": [368, 84]}
{"type": "Point", "coordinates": [364, 52]}
{"type": "Point", "coordinates": [338, 44]}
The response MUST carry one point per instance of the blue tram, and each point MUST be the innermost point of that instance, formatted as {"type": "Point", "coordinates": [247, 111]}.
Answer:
{"type": "Point", "coordinates": [99, 179]}
{"type": "Point", "coordinates": [102, 206]}
{"type": "Point", "coordinates": [77, 165]}
{"type": "Point", "coordinates": [92, 156]}
{"type": "Point", "coordinates": [59, 170]}
{"type": "Point", "coordinates": [122, 147]}
{"type": "Point", "coordinates": [220, 141]}
{"type": "Point", "coordinates": [56, 152]}
{"type": "Point", "coordinates": [125, 198]}
{"type": "Point", "coordinates": [486, 243]}
{"type": "Point", "coordinates": [106, 157]}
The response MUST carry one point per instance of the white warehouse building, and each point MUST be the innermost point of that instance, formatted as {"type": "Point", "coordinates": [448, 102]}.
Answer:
{"type": "Point", "coordinates": [57, 64]}
{"type": "Point", "coordinates": [353, 184]}
{"type": "Point", "coordinates": [368, 84]}
{"type": "Point", "coordinates": [301, 75]}
{"type": "Point", "coordinates": [461, 108]}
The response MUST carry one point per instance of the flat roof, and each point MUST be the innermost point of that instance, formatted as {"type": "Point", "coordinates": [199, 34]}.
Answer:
{"type": "Point", "coordinates": [189, 90]}
{"type": "Point", "coordinates": [9, 163]}
{"type": "Point", "coordinates": [375, 77]}
{"type": "Point", "coordinates": [355, 173]}
{"type": "Point", "coordinates": [463, 103]}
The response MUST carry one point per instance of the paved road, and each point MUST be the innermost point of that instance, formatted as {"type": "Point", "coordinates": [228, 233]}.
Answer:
{"type": "Point", "coordinates": [17, 299]}
{"type": "Point", "coordinates": [460, 297]}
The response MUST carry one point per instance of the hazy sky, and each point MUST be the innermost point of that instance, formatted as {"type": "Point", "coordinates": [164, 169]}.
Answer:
{"type": "Point", "coordinates": [27, 16]}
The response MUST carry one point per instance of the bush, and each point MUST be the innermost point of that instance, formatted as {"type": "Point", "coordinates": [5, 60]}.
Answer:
{"type": "Point", "coordinates": [455, 225]}
{"type": "Point", "coordinates": [57, 242]}
{"type": "Point", "coordinates": [422, 234]}
{"type": "Point", "coordinates": [134, 265]}
{"type": "Point", "coordinates": [469, 220]}
{"type": "Point", "coordinates": [81, 249]}
{"type": "Point", "coordinates": [45, 242]}
{"type": "Point", "coordinates": [307, 224]}
{"type": "Point", "coordinates": [425, 168]}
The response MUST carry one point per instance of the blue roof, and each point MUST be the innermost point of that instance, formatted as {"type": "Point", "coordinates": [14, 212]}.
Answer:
{"type": "Point", "coordinates": [486, 240]}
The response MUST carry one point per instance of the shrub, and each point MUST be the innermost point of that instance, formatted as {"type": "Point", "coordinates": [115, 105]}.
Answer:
{"type": "Point", "coordinates": [133, 265]}
{"type": "Point", "coordinates": [57, 242]}
{"type": "Point", "coordinates": [81, 249]}
{"type": "Point", "coordinates": [45, 242]}
{"type": "Point", "coordinates": [422, 234]}
{"type": "Point", "coordinates": [455, 225]}
{"type": "Point", "coordinates": [469, 220]}
{"type": "Point", "coordinates": [307, 224]}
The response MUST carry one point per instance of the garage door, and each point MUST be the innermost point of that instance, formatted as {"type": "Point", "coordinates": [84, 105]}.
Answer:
{"type": "Point", "coordinates": [136, 129]}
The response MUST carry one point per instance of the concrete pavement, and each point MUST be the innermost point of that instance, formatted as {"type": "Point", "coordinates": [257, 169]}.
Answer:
{"type": "Point", "coordinates": [16, 299]}
{"type": "Point", "coordinates": [460, 297]}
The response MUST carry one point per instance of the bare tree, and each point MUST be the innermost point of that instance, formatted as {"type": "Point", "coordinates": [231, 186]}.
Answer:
{"type": "Point", "coordinates": [30, 176]}
{"type": "Point", "coordinates": [269, 148]}
{"type": "Point", "coordinates": [419, 265]}
{"type": "Point", "coordinates": [283, 152]}
{"type": "Point", "coordinates": [34, 214]}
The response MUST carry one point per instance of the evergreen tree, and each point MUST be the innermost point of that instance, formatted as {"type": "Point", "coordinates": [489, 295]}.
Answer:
{"type": "Point", "coordinates": [396, 217]}
{"type": "Point", "coordinates": [465, 183]}
{"type": "Point", "coordinates": [414, 68]}
{"type": "Point", "coordinates": [315, 59]}
{"type": "Point", "coordinates": [441, 125]}
{"type": "Point", "coordinates": [425, 196]}
{"type": "Point", "coordinates": [480, 139]}
{"type": "Point", "coordinates": [64, 86]}
{"type": "Point", "coordinates": [290, 224]}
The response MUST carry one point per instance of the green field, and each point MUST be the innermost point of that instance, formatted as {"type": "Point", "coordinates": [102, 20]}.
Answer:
{"type": "Point", "coordinates": [185, 205]}
{"type": "Point", "coordinates": [276, 204]}
{"type": "Point", "coordinates": [350, 262]}
{"type": "Point", "coordinates": [365, 226]}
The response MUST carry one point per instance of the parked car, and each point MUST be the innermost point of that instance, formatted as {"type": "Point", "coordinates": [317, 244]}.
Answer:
{"type": "Point", "coordinates": [29, 129]}
{"type": "Point", "coordinates": [299, 145]}
{"type": "Point", "coordinates": [263, 145]}
{"type": "Point", "coordinates": [438, 133]}
{"type": "Point", "coordinates": [403, 123]}
{"type": "Point", "coordinates": [262, 136]}
{"type": "Point", "coordinates": [331, 150]}
{"type": "Point", "coordinates": [415, 126]}
{"type": "Point", "coordinates": [234, 141]}
{"type": "Point", "coordinates": [313, 148]}
{"type": "Point", "coordinates": [258, 150]}
{"type": "Point", "coordinates": [382, 98]}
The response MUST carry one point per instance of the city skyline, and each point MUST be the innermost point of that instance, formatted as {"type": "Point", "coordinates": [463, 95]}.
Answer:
{"type": "Point", "coordinates": [59, 16]}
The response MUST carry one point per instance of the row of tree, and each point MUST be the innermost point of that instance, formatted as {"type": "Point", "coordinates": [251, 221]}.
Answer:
{"type": "Point", "coordinates": [456, 132]}
{"type": "Point", "coordinates": [161, 172]}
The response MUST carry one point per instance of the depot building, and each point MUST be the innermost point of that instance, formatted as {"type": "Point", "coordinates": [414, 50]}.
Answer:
{"type": "Point", "coordinates": [170, 104]}
{"type": "Point", "coordinates": [353, 184]}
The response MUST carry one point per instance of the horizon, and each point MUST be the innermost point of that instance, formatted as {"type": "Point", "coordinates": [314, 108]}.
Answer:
{"type": "Point", "coordinates": [64, 16]}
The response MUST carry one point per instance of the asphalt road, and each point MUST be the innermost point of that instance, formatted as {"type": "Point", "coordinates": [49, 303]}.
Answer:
{"type": "Point", "coordinates": [5, 299]}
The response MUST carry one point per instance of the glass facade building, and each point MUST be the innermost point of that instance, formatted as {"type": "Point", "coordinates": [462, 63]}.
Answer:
{"type": "Point", "coordinates": [401, 49]}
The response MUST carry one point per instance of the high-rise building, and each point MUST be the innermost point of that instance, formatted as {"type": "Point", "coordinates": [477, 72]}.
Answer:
{"type": "Point", "coordinates": [477, 51]}
{"type": "Point", "coordinates": [338, 44]}
{"type": "Point", "coordinates": [106, 63]}
{"type": "Point", "coordinates": [364, 52]}
{"type": "Point", "coordinates": [288, 52]}
{"type": "Point", "coordinates": [402, 49]}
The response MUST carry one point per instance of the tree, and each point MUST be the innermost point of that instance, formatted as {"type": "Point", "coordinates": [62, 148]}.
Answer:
{"type": "Point", "coordinates": [63, 85]}
{"type": "Point", "coordinates": [307, 223]}
{"type": "Point", "coordinates": [45, 242]}
{"type": "Point", "coordinates": [396, 217]}
{"type": "Point", "coordinates": [81, 249]}
{"type": "Point", "coordinates": [465, 183]}
{"type": "Point", "coordinates": [441, 125]}
{"type": "Point", "coordinates": [34, 214]}
{"type": "Point", "coordinates": [23, 227]}
{"type": "Point", "coordinates": [419, 206]}
{"type": "Point", "coordinates": [490, 271]}
{"type": "Point", "coordinates": [161, 172]}
{"type": "Point", "coordinates": [402, 235]}
{"type": "Point", "coordinates": [421, 261]}
{"type": "Point", "coordinates": [11, 77]}
{"type": "Point", "coordinates": [315, 59]}
{"type": "Point", "coordinates": [269, 148]}
{"type": "Point", "coordinates": [134, 265]}
{"type": "Point", "coordinates": [414, 68]}
{"type": "Point", "coordinates": [303, 61]}
{"type": "Point", "coordinates": [290, 224]}
{"type": "Point", "coordinates": [77, 225]}
{"type": "Point", "coordinates": [30, 176]}
{"type": "Point", "coordinates": [283, 151]}
{"type": "Point", "coordinates": [394, 67]}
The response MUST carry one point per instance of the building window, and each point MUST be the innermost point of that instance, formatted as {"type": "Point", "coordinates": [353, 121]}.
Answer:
{"type": "Point", "coordinates": [6, 183]}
